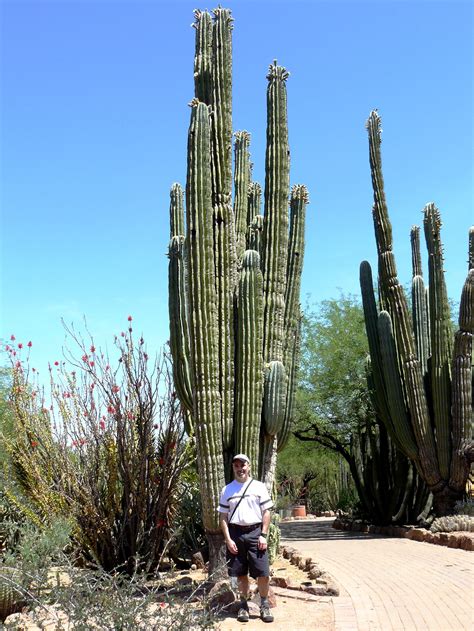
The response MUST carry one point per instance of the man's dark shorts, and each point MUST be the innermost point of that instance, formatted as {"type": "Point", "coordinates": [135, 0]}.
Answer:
{"type": "Point", "coordinates": [249, 559]}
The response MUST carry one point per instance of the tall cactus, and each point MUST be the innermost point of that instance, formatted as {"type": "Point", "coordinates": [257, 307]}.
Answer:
{"type": "Point", "coordinates": [428, 411]}
{"type": "Point", "coordinates": [234, 278]}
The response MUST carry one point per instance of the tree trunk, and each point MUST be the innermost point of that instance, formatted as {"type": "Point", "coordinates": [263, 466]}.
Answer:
{"type": "Point", "coordinates": [217, 556]}
{"type": "Point", "coordinates": [444, 500]}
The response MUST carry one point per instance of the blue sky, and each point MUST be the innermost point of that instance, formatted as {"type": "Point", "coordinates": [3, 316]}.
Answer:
{"type": "Point", "coordinates": [94, 121]}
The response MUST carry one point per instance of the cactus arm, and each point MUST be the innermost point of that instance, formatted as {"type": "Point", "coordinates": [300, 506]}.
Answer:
{"type": "Point", "coordinates": [177, 227]}
{"type": "Point", "coordinates": [415, 251]}
{"type": "Point", "coordinates": [179, 324]}
{"type": "Point", "coordinates": [299, 201]}
{"type": "Point", "coordinates": [203, 57]}
{"type": "Point", "coordinates": [225, 261]}
{"type": "Point", "coordinates": [177, 301]}
{"type": "Point", "coordinates": [275, 229]}
{"type": "Point", "coordinates": [393, 293]}
{"type": "Point", "coordinates": [241, 185]}
{"type": "Point", "coordinates": [379, 391]}
{"type": "Point", "coordinates": [274, 400]}
{"type": "Point", "coordinates": [470, 262]}
{"type": "Point", "coordinates": [203, 315]}
{"type": "Point", "coordinates": [441, 339]}
{"type": "Point", "coordinates": [419, 303]}
{"type": "Point", "coordinates": [461, 410]}
{"type": "Point", "coordinates": [254, 203]}
{"type": "Point", "coordinates": [222, 106]}
{"type": "Point", "coordinates": [254, 234]}
{"type": "Point", "coordinates": [249, 361]}
{"type": "Point", "coordinates": [292, 365]}
{"type": "Point", "coordinates": [402, 431]}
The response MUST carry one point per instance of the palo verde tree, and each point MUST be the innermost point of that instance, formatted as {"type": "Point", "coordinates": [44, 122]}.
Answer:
{"type": "Point", "coordinates": [422, 376]}
{"type": "Point", "coordinates": [335, 408]}
{"type": "Point", "coordinates": [234, 278]}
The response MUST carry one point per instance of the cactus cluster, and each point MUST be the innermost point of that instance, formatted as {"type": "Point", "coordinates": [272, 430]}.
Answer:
{"type": "Point", "coordinates": [234, 275]}
{"type": "Point", "coordinates": [389, 487]}
{"type": "Point", "coordinates": [422, 378]}
{"type": "Point", "coordinates": [452, 523]}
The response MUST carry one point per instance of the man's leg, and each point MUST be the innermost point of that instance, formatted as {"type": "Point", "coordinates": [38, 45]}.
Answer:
{"type": "Point", "coordinates": [263, 583]}
{"type": "Point", "coordinates": [243, 585]}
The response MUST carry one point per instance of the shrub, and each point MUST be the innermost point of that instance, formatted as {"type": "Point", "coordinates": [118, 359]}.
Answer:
{"type": "Point", "coordinates": [107, 449]}
{"type": "Point", "coordinates": [54, 589]}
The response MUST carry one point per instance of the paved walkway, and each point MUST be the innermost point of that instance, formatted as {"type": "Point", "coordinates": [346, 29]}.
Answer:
{"type": "Point", "coordinates": [389, 584]}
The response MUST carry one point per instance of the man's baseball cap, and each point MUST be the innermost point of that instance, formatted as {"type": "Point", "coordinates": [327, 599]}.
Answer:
{"type": "Point", "coordinates": [242, 457]}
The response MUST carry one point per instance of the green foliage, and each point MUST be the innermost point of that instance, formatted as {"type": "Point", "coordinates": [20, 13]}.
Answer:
{"type": "Point", "coordinates": [465, 507]}
{"type": "Point", "coordinates": [108, 451]}
{"type": "Point", "coordinates": [45, 580]}
{"type": "Point", "coordinates": [273, 540]}
{"type": "Point", "coordinates": [308, 472]}
{"type": "Point", "coordinates": [333, 390]}
{"type": "Point", "coordinates": [335, 409]}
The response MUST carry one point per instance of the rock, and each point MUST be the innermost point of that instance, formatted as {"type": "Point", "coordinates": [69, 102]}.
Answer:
{"type": "Point", "coordinates": [314, 572]}
{"type": "Point", "coordinates": [221, 595]}
{"type": "Point", "coordinates": [296, 558]}
{"type": "Point", "coordinates": [287, 552]}
{"type": "Point", "coordinates": [281, 581]}
{"type": "Point", "coordinates": [302, 564]}
{"type": "Point", "coordinates": [417, 534]}
{"type": "Point", "coordinates": [466, 542]}
{"type": "Point", "coordinates": [308, 563]}
{"type": "Point", "coordinates": [315, 590]}
{"type": "Point", "coordinates": [198, 560]}
{"type": "Point", "coordinates": [184, 580]}
{"type": "Point", "coordinates": [20, 621]}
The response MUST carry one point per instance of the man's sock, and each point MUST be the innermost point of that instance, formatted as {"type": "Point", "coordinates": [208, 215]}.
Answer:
{"type": "Point", "coordinates": [264, 601]}
{"type": "Point", "coordinates": [244, 601]}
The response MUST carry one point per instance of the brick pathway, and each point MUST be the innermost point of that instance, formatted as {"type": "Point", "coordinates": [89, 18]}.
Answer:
{"type": "Point", "coordinates": [389, 584]}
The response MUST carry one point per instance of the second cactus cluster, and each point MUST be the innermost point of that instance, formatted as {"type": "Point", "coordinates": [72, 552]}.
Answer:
{"type": "Point", "coordinates": [234, 274]}
{"type": "Point", "coordinates": [421, 371]}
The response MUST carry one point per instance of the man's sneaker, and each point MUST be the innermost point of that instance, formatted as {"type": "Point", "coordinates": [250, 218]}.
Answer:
{"type": "Point", "coordinates": [265, 614]}
{"type": "Point", "coordinates": [243, 615]}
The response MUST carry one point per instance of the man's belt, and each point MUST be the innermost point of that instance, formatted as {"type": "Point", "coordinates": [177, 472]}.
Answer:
{"type": "Point", "coordinates": [245, 528]}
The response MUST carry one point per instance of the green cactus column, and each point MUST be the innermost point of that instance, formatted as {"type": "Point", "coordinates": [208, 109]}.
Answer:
{"type": "Point", "coordinates": [178, 301]}
{"type": "Point", "coordinates": [441, 339]}
{"type": "Point", "coordinates": [462, 388]}
{"type": "Point", "coordinates": [393, 294]}
{"type": "Point", "coordinates": [419, 303]}
{"type": "Point", "coordinates": [203, 316]}
{"type": "Point", "coordinates": [249, 360]}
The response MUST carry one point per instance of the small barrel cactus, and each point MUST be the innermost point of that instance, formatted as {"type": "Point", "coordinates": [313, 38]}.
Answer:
{"type": "Point", "coordinates": [452, 523]}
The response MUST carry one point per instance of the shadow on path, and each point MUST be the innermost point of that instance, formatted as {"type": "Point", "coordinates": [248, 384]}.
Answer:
{"type": "Point", "coordinates": [320, 531]}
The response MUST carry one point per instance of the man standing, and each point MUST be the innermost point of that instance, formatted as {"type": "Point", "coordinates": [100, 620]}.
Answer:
{"type": "Point", "coordinates": [245, 519]}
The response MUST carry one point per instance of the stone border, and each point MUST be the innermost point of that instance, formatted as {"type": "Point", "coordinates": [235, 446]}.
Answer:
{"type": "Point", "coordinates": [325, 585]}
{"type": "Point", "coordinates": [461, 540]}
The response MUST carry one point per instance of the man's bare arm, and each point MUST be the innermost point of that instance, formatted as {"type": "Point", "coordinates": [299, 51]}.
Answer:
{"type": "Point", "coordinates": [225, 530]}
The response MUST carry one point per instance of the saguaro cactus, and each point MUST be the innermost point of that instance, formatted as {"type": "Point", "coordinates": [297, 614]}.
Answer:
{"type": "Point", "coordinates": [424, 389]}
{"type": "Point", "coordinates": [234, 278]}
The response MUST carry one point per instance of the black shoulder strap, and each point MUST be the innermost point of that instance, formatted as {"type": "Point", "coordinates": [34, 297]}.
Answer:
{"type": "Point", "coordinates": [241, 498]}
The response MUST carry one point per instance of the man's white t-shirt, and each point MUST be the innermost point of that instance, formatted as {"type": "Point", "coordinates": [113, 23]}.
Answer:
{"type": "Point", "coordinates": [251, 508]}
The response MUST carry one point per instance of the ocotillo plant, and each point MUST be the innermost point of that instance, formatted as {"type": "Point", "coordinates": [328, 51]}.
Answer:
{"type": "Point", "coordinates": [425, 402]}
{"type": "Point", "coordinates": [234, 278]}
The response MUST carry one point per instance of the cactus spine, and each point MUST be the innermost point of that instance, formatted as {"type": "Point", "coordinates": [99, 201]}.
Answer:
{"type": "Point", "coordinates": [234, 278]}
{"type": "Point", "coordinates": [436, 429]}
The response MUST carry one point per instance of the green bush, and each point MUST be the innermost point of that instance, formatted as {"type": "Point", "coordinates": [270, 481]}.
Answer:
{"type": "Point", "coordinates": [107, 448]}
{"type": "Point", "coordinates": [53, 587]}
